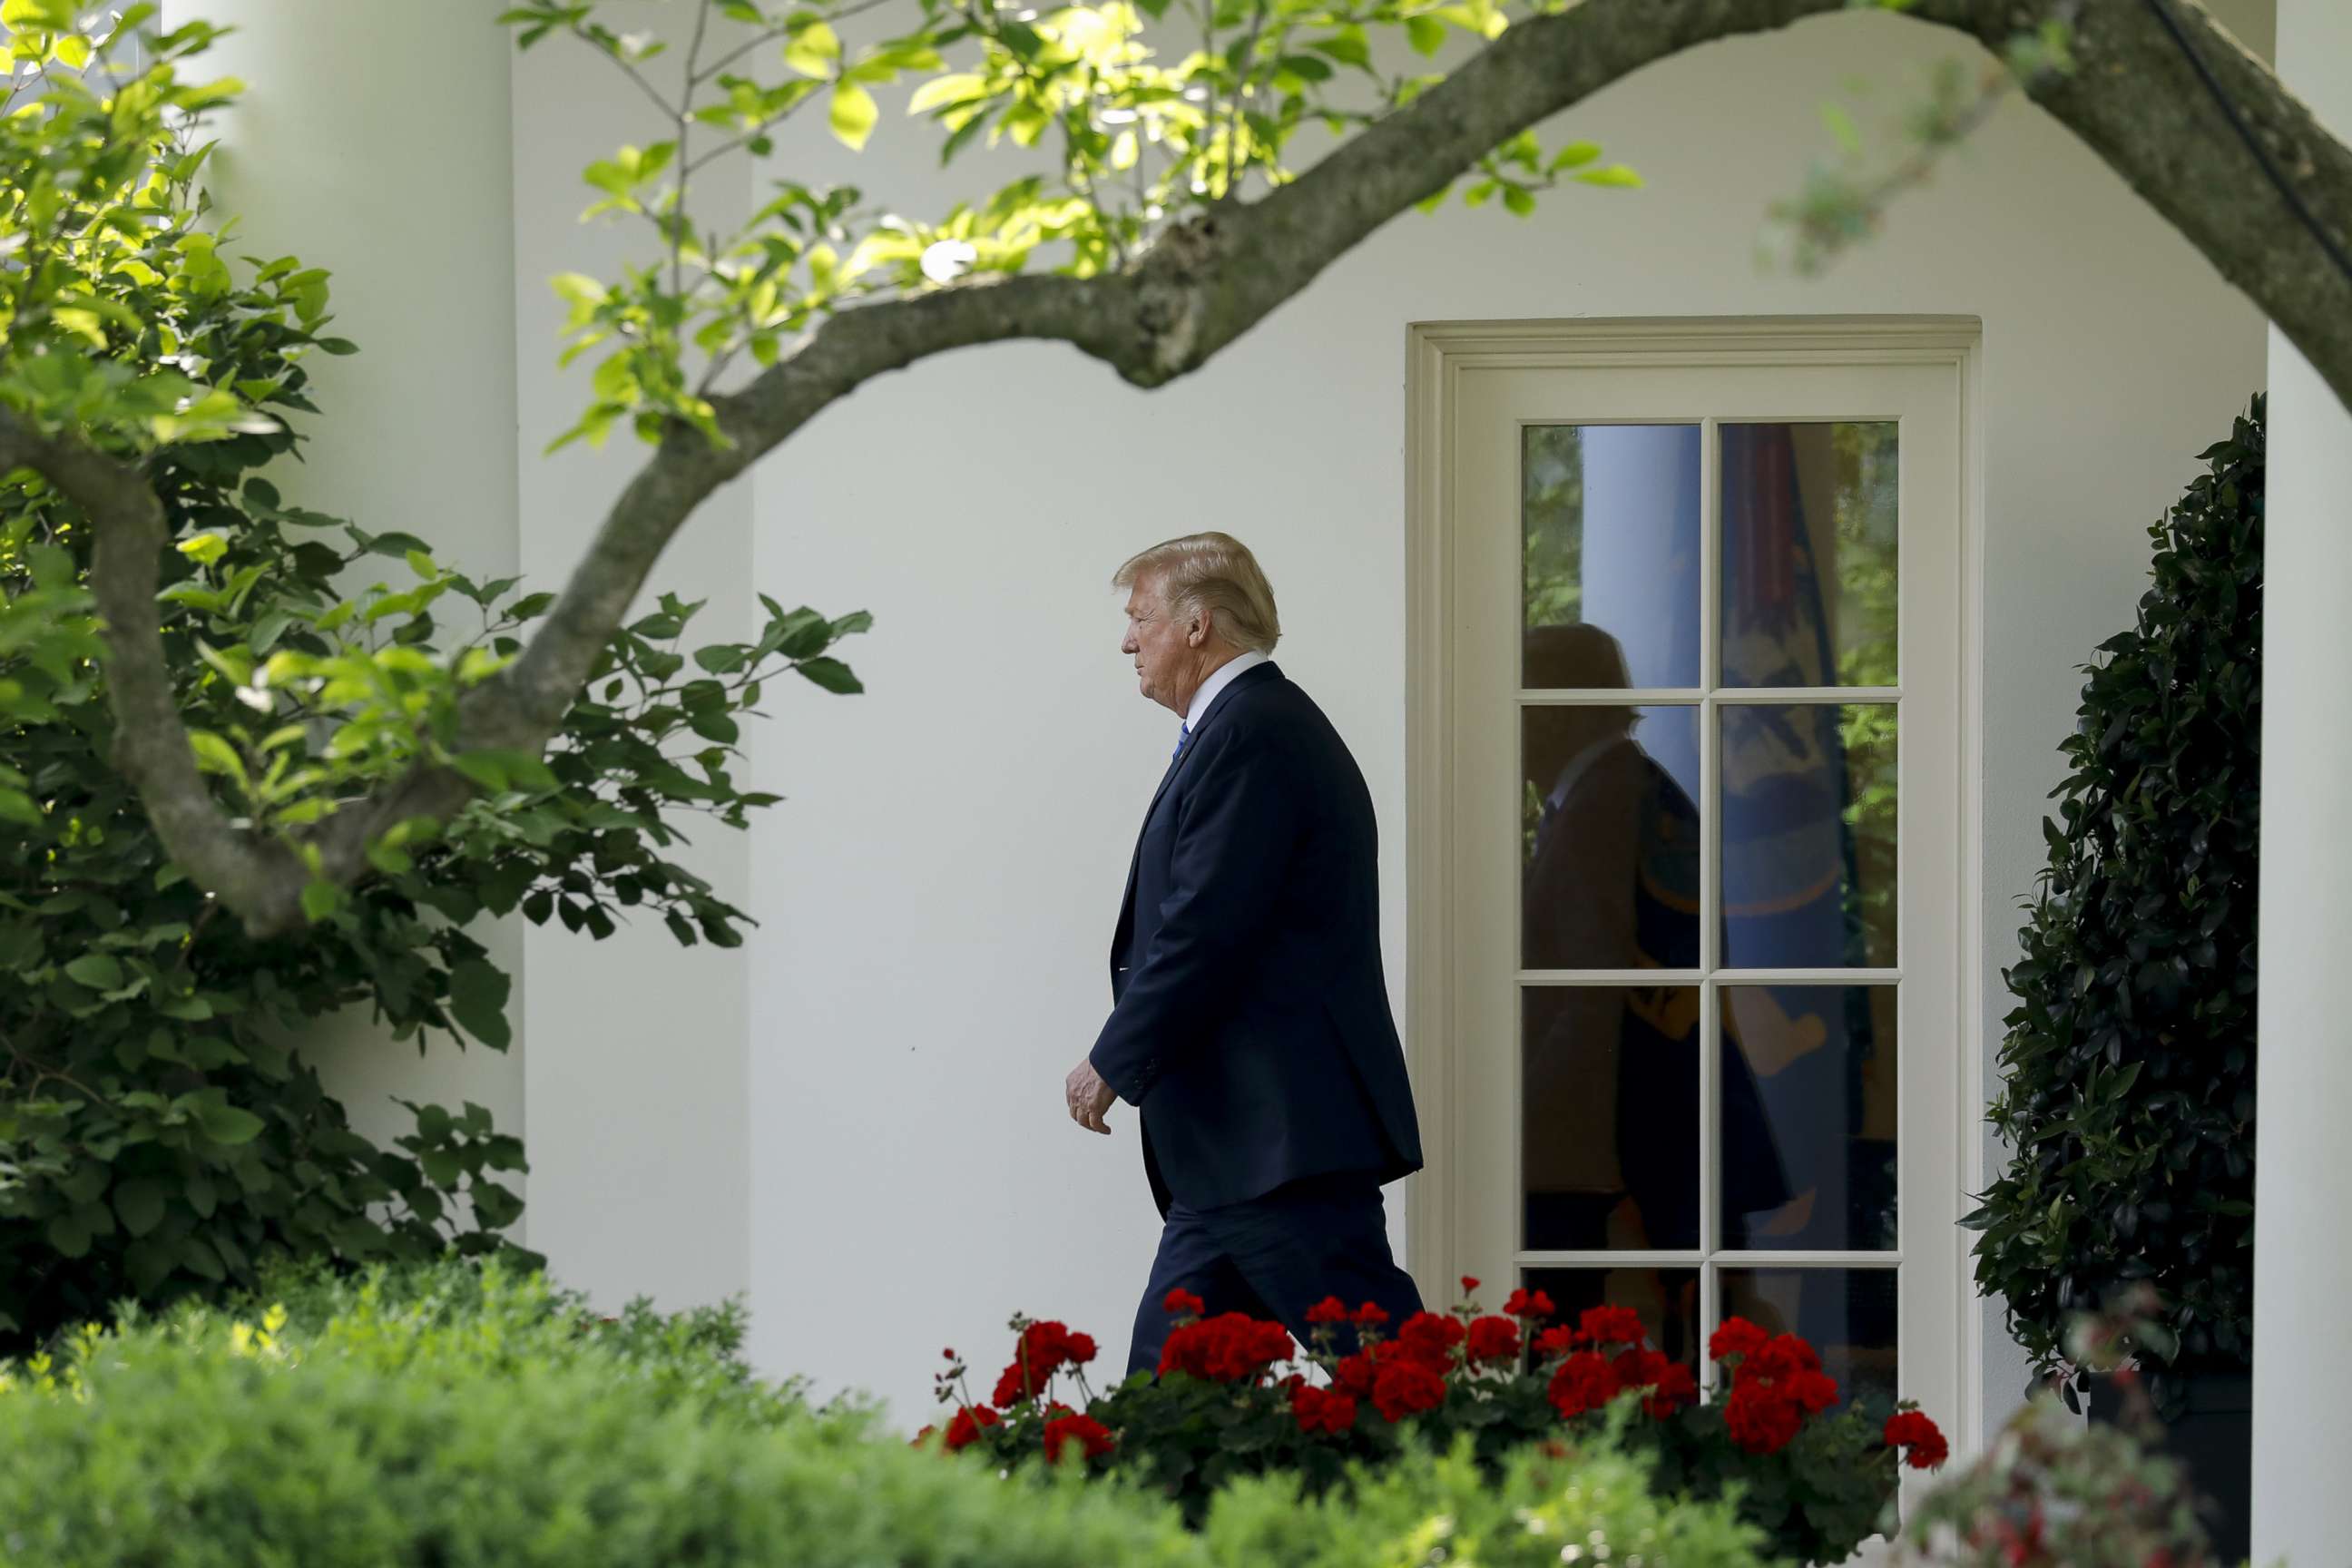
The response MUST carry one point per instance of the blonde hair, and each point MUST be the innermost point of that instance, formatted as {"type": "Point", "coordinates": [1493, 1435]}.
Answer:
{"type": "Point", "coordinates": [1213, 572]}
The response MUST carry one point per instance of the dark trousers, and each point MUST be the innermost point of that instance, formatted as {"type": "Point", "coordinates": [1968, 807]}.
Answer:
{"type": "Point", "coordinates": [1274, 1257]}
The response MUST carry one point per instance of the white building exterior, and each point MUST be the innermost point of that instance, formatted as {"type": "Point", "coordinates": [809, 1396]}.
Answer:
{"type": "Point", "coordinates": [856, 1119]}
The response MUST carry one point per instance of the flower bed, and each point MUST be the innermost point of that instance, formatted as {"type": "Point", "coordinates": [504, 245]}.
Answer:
{"type": "Point", "coordinates": [1236, 1395]}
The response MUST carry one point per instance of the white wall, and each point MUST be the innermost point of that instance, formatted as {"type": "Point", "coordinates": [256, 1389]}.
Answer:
{"type": "Point", "coordinates": [858, 1115]}
{"type": "Point", "coordinates": [941, 885]}
{"type": "Point", "coordinates": [640, 1119]}
{"type": "Point", "coordinates": [2301, 1509]}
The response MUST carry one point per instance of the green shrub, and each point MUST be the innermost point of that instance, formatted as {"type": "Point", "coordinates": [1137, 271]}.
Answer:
{"type": "Point", "coordinates": [2127, 1084]}
{"type": "Point", "coordinates": [474, 1418]}
{"type": "Point", "coordinates": [1542, 1510]}
{"type": "Point", "coordinates": [162, 1132]}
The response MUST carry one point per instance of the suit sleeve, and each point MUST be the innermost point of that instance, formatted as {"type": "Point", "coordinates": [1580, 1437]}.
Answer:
{"type": "Point", "coordinates": [1236, 832]}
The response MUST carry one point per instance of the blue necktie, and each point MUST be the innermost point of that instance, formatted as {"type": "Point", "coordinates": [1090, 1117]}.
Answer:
{"type": "Point", "coordinates": [1182, 740]}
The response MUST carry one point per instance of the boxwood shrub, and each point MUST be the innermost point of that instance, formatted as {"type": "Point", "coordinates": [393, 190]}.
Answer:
{"type": "Point", "coordinates": [467, 1420]}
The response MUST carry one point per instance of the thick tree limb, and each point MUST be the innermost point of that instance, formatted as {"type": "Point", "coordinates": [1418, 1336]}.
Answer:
{"type": "Point", "coordinates": [2134, 99]}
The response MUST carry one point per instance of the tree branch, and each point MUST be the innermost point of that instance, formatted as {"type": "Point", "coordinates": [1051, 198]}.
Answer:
{"type": "Point", "coordinates": [1206, 282]}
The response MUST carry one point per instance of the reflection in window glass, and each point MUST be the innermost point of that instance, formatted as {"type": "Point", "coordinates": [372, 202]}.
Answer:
{"type": "Point", "coordinates": [1809, 538]}
{"type": "Point", "coordinates": [1824, 1060]}
{"type": "Point", "coordinates": [1610, 519]}
{"type": "Point", "coordinates": [1610, 1137]}
{"type": "Point", "coordinates": [1610, 837]}
{"type": "Point", "coordinates": [1808, 851]}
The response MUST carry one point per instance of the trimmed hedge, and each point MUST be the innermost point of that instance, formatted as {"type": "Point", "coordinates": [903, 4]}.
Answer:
{"type": "Point", "coordinates": [490, 1423]}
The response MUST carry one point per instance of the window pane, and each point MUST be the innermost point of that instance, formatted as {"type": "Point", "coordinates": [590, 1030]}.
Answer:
{"type": "Point", "coordinates": [1810, 537]}
{"type": "Point", "coordinates": [1821, 1063]}
{"type": "Point", "coordinates": [1609, 523]}
{"type": "Point", "coordinates": [1667, 1299]}
{"type": "Point", "coordinates": [1847, 1314]}
{"type": "Point", "coordinates": [1609, 1143]}
{"type": "Point", "coordinates": [1808, 813]}
{"type": "Point", "coordinates": [1609, 1146]}
{"type": "Point", "coordinates": [1609, 837]}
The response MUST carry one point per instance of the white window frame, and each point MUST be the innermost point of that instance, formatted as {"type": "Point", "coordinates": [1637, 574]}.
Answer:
{"type": "Point", "coordinates": [1437, 353]}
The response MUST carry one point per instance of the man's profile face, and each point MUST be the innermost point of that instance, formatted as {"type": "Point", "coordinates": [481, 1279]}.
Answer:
{"type": "Point", "coordinates": [1158, 643]}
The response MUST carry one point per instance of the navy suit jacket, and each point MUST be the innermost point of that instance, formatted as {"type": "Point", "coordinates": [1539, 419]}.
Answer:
{"type": "Point", "coordinates": [1250, 1021]}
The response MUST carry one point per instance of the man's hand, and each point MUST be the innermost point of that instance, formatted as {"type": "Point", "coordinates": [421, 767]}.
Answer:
{"type": "Point", "coordinates": [1088, 1097]}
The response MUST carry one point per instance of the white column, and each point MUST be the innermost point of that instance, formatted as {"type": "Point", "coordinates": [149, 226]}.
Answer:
{"type": "Point", "coordinates": [640, 1135]}
{"type": "Point", "coordinates": [2303, 1273]}
{"type": "Point", "coordinates": [372, 140]}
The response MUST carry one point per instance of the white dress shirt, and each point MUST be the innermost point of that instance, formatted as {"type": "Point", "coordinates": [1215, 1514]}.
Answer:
{"type": "Point", "coordinates": [1224, 676]}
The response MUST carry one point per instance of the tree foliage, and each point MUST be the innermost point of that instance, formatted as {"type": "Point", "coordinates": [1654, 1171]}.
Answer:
{"type": "Point", "coordinates": [163, 1125]}
{"type": "Point", "coordinates": [2127, 1087]}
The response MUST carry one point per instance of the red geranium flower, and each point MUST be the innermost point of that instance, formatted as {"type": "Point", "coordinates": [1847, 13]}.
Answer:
{"type": "Point", "coordinates": [1355, 1376]}
{"type": "Point", "coordinates": [1557, 1341]}
{"type": "Point", "coordinates": [1913, 1430]}
{"type": "Point", "coordinates": [1329, 1309]}
{"type": "Point", "coordinates": [1737, 1337]}
{"type": "Point", "coordinates": [1469, 1283]}
{"type": "Point", "coordinates": [1783, 1356]}
{"type": "Point", "coordinates": [969, 1423]}
{"type": "Point", "coordinates": [1524, 1303]}
{"type": "Point", "coordinates": [1181, 1303]}
{"type": "Point", "coordinates": [1232, 1347]}
{"type": "Point", "coordinates": [1370, 1315]}
{"type": "Point", "coordinates": [1760, 1419]}
{"type": "Point", "coordinates": [1406, 1386]}
{"type": "Point", "coordinates": [1430, 1339]}
{"type": "Point", "coordinates": [1493, 1340]}
{"type": "Point", "coordinates": [1814, 1392]}
{"type": "Point", "coordinates": [1612, 1326]}
{"type": "Point", "coordinates": [1676, 1389]}
{"type": "Point", "coordinates": [1584, 1382]}
{"type": "Point", "coordinates": [1091, 1435]}
{"type": "Point", "coordinates": [1322, 1410]}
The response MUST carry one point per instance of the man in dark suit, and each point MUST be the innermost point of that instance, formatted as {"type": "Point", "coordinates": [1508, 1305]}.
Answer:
{"type": "Point", "coordinates": [1250, 1021]}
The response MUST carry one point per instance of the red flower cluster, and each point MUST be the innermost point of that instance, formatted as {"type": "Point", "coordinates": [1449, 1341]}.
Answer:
{"type": "Point", "coordinates": [1232, 1347]}
{"type": "Point", "coordinates": [1182, 1303]}
{"type": "Point", "coordinates": [1322, 1409]}
{"type": "Point", "coordinates": [965, 1429]}
{"type": "Point", "coordinates": [1406, 1387]}
{"type": "Point", "coordinates": [1068, 1426]}
{"type": "Point", "coordinates": [1492, 1341]}
{"type": "Point", "coordinates": [1428, 1339]}
{"type": "Point", "coordinates": [1331, 1309]}
{"type": "Point", "coordinates": [1588, 1377]}
{"type": "Point", "coordinates": [1776, 1382]}
{"type": "Point", "coordinates": [1044, 1349]}
{"type": "Point", "coordinates": [1525, 1303]}
{"type": "Point", "coordinates": [1911, 1429]}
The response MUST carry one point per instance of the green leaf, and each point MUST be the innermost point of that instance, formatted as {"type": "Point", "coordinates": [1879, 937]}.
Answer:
{"type": "Point", "coordinates": [1427, 34]}
{"type": "Point", "coordinates": [139, 1203]}
{"type": "Point", "coordinates": [854, 114]}
{"type": "Point", "coordinates": [68, 1235]}
{"type": "Point", "coordinates": [830, 674]}
{"type": "Point", "coordinates": [478, 999]}
{"type": "Point", "coordinates": [814, 49]}
{"type": "Point", "coordinates": [226, 1123]}
{"type": "Point", "coordinates": [320, 900]}
{"type": "Point", "coordinates": [99, 971]}
{"type": "Point", "coordinates": [1575, 155]}
{"type": "Point", "coordinates": [1616, 174]}
{"type": "Point", "coordinates": [959, 87]}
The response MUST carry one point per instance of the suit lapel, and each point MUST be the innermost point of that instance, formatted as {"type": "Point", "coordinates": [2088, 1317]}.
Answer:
{"type": "Point", "coordinates": [1251, 677]}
